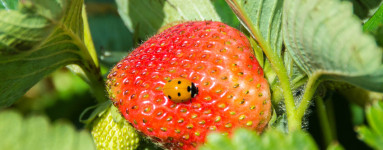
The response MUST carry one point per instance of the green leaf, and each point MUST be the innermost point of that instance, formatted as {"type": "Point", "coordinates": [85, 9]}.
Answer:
{"type": "Point", "coordinates": [362, 96]}
{"type": "Point", "coordinates": [262, 18]}
{"type": "Point", "coordinates": [272, 139]}
{"type": "Point", "coordinates": [224, 11]}
{"type": "Point", "coordinates": [146, 17]}
{"type": "Point", "coordinates": [9, 4]}
{"type": "Point", "coordinates": [22, 29]}
{"type": "Point", "coordinates": [35, 41]}
{"type": "Point", "coordinates": [366, 8]}
{"type": "Point", "coordinates": [372, 81]}
{"type": "Point", "coordinates": [375, 21]}
{"type": "Point", "coordinates": [110, 33]}
{"type": "Point", "coordinates": [373, 135]}
{"type": "Point", "coordinates": [112, 39]}
{"type": "Point", "coordinates": [375, 26]}
{"type": "Point", "coordinates": [321, 44]}
{"type": "Point", "coordinates": [35, 132]}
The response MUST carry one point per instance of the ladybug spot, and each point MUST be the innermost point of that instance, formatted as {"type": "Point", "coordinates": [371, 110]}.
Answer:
{"type": "Point", "coordinates": [179, 94]}
{"type": "Point", "coordinates": [189, 88]}
{"type": "Point", "coordinates": [179, 82]}
{"type": "Point", "coordinates": [169, 97]}
{"type": "Point", "coordinates": [170, 81]}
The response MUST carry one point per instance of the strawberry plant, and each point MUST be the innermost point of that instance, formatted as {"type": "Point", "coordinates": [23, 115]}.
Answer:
{"type": "Point", "coordinates": [203, 74]}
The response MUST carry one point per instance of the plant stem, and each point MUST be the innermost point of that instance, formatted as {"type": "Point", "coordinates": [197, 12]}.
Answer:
{"type": "Point", "coordinates": [94, 74]}
{"type": "Point", "coordinates": [88, 69]}
{"type": "Point", "coordinates": [294, 123]}
{"type": "Point", "coordinates": [93, 78]}
{"type": "Point", "coordinates": [331, 117]}
{"type": "Point", "coordinates": [97, 86]}
{"type": "Point", "coordinates": [310, 89]}
{"type": "Point", "coordinates": [324, 121]}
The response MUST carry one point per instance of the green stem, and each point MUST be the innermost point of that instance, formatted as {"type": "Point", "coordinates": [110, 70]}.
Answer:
{"type": "Point", "coordinates": [331, 117]}
{"type": "Point", "coordinates": [310, 89]}
{"type": "Point", "coordinates": [294, 123]}
{"type": "Point", "coordinates": [88, 69]}
{"type": "Point", "coordinates": [324, 121]}
{"type": "Point", "coordinates": [97, 86]}
{"type": "Point", "coordinates": [276, 62]}
{"type": "Point", "coordinates": [93, 78]}
{"type": "Point", "coordinates": [94, 74]}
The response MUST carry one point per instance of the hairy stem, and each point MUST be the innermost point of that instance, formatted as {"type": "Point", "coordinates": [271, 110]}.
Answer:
{"type": "Point", "coordinates": [310, 89]}
{"type": "Point", "coordinates": [294, 123]}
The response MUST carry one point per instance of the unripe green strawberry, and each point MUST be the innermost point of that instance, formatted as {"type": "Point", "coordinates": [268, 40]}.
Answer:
{"type": "Point", "coordinates": [210, 62]}
{"type": "Point", "coordinates": [111, 131]}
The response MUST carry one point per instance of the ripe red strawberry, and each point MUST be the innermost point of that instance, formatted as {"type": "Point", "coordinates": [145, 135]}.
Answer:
{"type": "Point", "coordinates": [218, 59]}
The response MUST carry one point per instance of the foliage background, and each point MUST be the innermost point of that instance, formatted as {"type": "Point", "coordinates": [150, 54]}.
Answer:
{"type": "Point", "coordinates": [62, 96]}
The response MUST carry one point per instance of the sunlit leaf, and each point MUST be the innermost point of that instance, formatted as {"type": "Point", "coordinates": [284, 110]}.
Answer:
{"type": "Point", "coordinates": [373, 134]}
{"type": "Point", "coordinates": [9, 4]}
{"type": "Point", "coordinates": [36, 132]}
{"type": "Point", "coordinates": [147, 16]}
{"type": "Point", "coordinates": [271, 139]}
{"type": "Point", "coordinates": [325, 38]}
{"type": "Point", "coordinates": [375, 26]}
{"type": "Point", "coordinates": [375, 21]}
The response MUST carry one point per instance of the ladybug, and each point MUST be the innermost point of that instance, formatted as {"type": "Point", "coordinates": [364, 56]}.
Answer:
{"type": "Point", "coordinates": [180, 90]}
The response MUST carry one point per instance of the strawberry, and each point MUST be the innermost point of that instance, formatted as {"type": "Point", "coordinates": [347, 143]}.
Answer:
{"type": "Point", "coordinates": [217, 59]}
{"type": "Point", "coordinates": [111, 131]}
